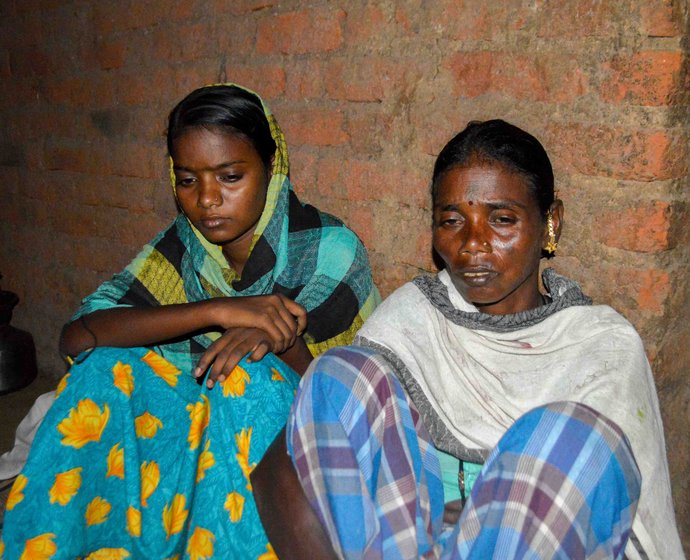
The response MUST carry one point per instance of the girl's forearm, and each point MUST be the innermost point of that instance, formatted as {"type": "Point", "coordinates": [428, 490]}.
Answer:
{"type": "Point", "coordinates": [135, 326]}
{"type": "Point", "coordinates": [298, 356]}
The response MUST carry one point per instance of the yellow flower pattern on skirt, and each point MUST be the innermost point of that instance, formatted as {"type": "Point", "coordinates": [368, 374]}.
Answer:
{"type": "Point", "coordinates": [40, 547]}
{"type": "Point", "coordinates": [84, 424]}
{"type": "Point", "coordinates": [150, 477]}
{"type": "Point", "coordinates": [16, 494]}
{"type": "Point", "coordinates": [236, 382]}
{"type": "Point", "coordinates": [65, 486]}
{"type": "Point", "coordinates": [137, 460]}
{"type": "Point", "coordinates": [108, 554]}
{"type": "Point", "coordinates": [116, 462]}
{"type": "Point", "coordinates": [200, 545]}
{"type": "Point", "coordinates": [175, 515]}
{"type": "Point", "coordinates": [122, 378]}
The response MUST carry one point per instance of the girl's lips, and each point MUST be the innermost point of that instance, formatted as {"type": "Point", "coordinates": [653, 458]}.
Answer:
{"type": "Point", "coordinates": [211, 223]}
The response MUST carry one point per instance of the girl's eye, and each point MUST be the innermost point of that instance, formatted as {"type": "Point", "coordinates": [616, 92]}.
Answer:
{"type": "Point", "coordinates": [230, 178]}
{"type": "Point", "coordinates": [184, 181]}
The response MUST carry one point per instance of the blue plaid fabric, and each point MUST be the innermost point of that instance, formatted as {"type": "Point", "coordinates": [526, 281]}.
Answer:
{"type": "Point", "coordinates": [561, 483]}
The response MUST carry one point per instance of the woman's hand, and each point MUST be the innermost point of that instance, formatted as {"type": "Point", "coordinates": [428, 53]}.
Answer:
{"type": "Point", "coordinates": [226, 352]}
{"type": "Point", "coordinates": [280, 317]}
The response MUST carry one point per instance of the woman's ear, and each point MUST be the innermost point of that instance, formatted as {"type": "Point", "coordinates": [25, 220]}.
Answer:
{"type": "Point", "coordinates": [557, 214]}
{"type": "Point", "coordinates": [552, 229]}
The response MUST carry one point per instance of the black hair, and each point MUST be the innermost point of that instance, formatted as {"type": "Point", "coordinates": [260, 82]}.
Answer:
{"type": "Point", "coordinates": [504, 143]}
{"type": "Point", "coordinates": [229, 108]}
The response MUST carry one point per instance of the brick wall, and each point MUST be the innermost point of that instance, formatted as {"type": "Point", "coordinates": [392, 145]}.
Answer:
{"type": "Point", "coordinates": [367, 93]}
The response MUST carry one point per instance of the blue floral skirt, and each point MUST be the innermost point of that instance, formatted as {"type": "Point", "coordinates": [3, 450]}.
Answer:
{"type": "Point", "coordinates": [135, 459]}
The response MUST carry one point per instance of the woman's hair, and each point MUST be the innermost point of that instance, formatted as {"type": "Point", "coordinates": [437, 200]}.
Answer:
{"type": "Point", "coordinates": [229, 108]}
{"type": "Point", "coordinates": [500, 142]}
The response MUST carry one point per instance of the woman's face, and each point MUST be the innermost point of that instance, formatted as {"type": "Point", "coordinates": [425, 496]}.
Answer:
{"type": "Point", "coordinates": [221, 186]}
{"type": "Point", "coordinates": [489, 232]}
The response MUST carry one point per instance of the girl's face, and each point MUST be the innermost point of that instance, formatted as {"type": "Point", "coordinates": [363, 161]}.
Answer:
{"type": "Point", "coordinates": [489, 232]}
{"type": "Point", "coordinates": [221, 186]}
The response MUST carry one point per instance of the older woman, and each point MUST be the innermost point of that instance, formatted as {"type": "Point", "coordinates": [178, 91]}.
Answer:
{"type": "Point", "coordinates": [480, 415]}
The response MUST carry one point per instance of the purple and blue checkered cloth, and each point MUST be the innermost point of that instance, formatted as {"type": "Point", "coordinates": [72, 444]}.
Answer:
{"type": "Point", "coordinates": [561, 483]}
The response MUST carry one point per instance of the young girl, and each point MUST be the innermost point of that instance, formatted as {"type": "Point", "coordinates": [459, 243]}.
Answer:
{"type": "Point", "coordinates": [137, 457]}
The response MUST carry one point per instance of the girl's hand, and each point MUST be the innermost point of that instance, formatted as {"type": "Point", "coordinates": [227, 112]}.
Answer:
{"type": "Point", "coordinates": [226, 352]}
{"type": "Point", "coordinates": [281, 318]}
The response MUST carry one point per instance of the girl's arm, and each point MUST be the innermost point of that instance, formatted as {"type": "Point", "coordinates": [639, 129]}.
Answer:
{"type": "Point", "coordinates": [226, 352]}
{"type": "Point", "coordinates": [279, 317]}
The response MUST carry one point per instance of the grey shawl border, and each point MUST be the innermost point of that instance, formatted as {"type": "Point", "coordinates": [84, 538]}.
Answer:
{"type": "Point", "coordinates": [563, 291]}
{"type": "Point", "coordinates": [441, 436]}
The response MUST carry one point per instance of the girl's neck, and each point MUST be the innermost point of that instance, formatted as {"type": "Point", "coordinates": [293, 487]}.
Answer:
{"type": "Point", "coordinates": [237, 251]}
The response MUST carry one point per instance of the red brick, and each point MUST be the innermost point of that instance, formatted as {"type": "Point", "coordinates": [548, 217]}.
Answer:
{"type": "Point", "coordinates": [367, 27]}
{"type": "Point", "coordinates": [235, 39]}
{"type": "Point", "coordinates": [660, 18]}
{"type": "Point", "coordinates": [111, 55]}
{"type": "Point", "coordinates": [79, 222]}
{"type": "Point", "coordinates": [125, 227]}
{"type": "Point", "coordinates": [547, 77]}
{"type": "Point", "coordinates": [241, 7]}
{"type": "Point", "coordinates": [31, 62]}
{"type": "Point", "coordinates": [304, 79]}
{"type": "Point", "coordinates": [303, 170]}
{"type": "Point", "coordinates": [378, 79]}
{"type": "Point", "coordinates": [8, 9]}
{"type": "Point", "coordinates": [317, 127]}
{"type": "Point", "coordinates": [403, 17]}
{"type": "Point", "coordinates": [475, 19]}
{"type": "Point", "coordinates": [368, 180]}
{"type": "Point", "coordinates": [654, 287]}
{"type": "Point", "coordinates": [68, 158]}
{"type": "Point", "coordinates": [185, 78]}
{"type": "Point", "coordinates": [307, 31]}
{"type": "Point", "coordinates": [74, 91]}
{"type": "Point", "coordinates": [581, 18]}
{"type": "Point", "coordinates": [21, 32]}
{"type": "Point", "coordinates": [136, 14]}
{"type": "Point", "coordinates": [5, 71]}
{"type": "Point", "coordinates": [135, 160]}
{"type": "Point", "coordinates": [38, 6]}
{"type": "Point", "coordinates": [166, 44]}
{"type": "Point", "coordinates": [632, 289]}
{"type": "Point", "coordinates": [642, 228]}
{"type": "Point", "coordinates": [369, 130]}
{"type": "Point", "coordinates": [641, 155]}
{"type": "Point", "coordinates": [361, 221]}
{"type": "Point", "coordinates": [267, 80]}
{"type": "Point", "coordinates": [137, 88]}
{"type": "Point", "coordinates": [644, 78]}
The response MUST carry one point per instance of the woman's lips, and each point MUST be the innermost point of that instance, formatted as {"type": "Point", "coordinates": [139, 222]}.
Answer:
{"type": "Point", "coordinates": [476, 276]}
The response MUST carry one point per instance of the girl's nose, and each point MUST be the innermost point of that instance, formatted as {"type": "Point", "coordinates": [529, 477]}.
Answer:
{"type": "Point", "coordinates": [209, 193]}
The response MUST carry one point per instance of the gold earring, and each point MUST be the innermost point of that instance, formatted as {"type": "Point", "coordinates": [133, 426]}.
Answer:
{"type": "Point", "coordinates": [552, 244]}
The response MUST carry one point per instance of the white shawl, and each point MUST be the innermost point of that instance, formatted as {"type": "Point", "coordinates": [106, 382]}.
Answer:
{"type": "Point", "coordinates": [471, 383]}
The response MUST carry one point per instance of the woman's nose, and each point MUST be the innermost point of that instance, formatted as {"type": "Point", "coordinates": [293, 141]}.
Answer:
{"type": "Point", "coordinates": [209, 193]}
{"type": "Point", "coordinates": [476, 239]}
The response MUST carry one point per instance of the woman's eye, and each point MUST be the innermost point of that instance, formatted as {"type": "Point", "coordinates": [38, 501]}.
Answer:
{"type": "Point", "coordinates": [230, 178]}
{"type": "Point", "coordinates": [504, 219]}
{"type": "Point", "coordinates": [450, 221]}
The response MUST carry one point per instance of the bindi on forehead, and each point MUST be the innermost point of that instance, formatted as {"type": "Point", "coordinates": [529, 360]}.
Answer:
{"type": "Point", "coordinates": [470, 202]}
